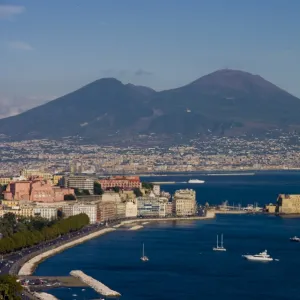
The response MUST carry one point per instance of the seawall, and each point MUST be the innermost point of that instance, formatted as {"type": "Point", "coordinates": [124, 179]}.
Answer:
{"type": "Point", "coordinates": [29, 266]}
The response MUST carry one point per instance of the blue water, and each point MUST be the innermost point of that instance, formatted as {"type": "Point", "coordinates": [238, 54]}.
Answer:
{"type": "Point", "coordinates": [262, 188]}
{"type": "Point", "coordinates": [182, 264]}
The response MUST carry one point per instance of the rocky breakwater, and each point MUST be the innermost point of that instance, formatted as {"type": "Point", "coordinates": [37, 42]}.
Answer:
{"type": "Point", "coordinates": [44, 296]}
{"type": "Point", "coordinates": [95, 284]}
{"type": "Point", "coordinates": [136, 227]}
{"type": "Point", "coordinates": [29, 266]}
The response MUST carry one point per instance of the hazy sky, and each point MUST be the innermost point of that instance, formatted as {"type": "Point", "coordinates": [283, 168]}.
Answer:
{"type": "Point", "coordinates": [49, 48]}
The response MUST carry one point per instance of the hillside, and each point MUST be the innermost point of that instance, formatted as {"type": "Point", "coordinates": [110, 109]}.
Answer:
{"type": "Point", "coordinates": [223, 102]}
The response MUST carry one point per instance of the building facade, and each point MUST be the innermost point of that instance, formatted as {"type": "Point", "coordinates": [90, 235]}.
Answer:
{"type": "Point", "coordinates": [49, 213]}
{"type": "Point", "coordinates": [35, 191]}
{"type": "Point", "coordinates": [150, 206]}
{"type": "Point", "coordinates": [131, 210]}
{"type": "Point", "coordinates": [288, 204]}
{"type": "Point", "coordinates": [129, 182]}
{"type": "Point", "coordinates": [90, 209]}
{"type": "Point", "coordinates": [78, 182]}
{"type": "Point", "coordinates": [184, 203]}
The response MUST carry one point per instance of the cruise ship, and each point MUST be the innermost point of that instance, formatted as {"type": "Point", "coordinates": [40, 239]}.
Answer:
{"type": "Point", "coordinates": [196, 181]}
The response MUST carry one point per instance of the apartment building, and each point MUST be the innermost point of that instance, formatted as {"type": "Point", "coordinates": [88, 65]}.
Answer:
{"type": "Point", "coordinates": [46, 212]}
{"type": "Point", "coordinates": [90, 209]}
{"type": "Point", "coordinates": [78, 182]}
{"type": "Point", "coordinates": [151, 206]}
{"type": "Point", "coordinates": [184, 203]}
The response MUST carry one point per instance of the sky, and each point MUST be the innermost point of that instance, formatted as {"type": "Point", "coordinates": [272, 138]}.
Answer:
{"type": "Point", "coordinates": [50, 48]}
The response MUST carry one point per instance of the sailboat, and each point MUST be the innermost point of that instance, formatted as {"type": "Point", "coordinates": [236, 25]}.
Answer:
{"type": "Point", "coordinates": [221, 248]}
{"type": "Point", "coordinates": [144, 257]}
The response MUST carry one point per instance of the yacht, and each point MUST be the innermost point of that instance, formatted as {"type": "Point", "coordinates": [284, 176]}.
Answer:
{"type": "Point", "coordinates": [144, 257]}
{"type": "Point", "coordinates": [295, 239]}
{"type": "Point", "coordinates": [219, 248]}
{"type": "Point", "coordinates": [263, 256]}
{"type": "Point", "coordinates": [196, 181]}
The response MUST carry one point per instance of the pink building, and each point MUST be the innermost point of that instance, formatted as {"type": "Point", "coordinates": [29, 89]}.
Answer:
{"type": "Point", "coordinates": [36, 191]}
{"type": "Point", "coordinates": [129, 182]}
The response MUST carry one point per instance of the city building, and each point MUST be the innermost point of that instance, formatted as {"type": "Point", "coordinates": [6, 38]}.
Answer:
{"type": "Point", "coordinates": [129, 182]}
{"type": "Point", "coordinates": [107, 210]}
{"type": "Point", "coordinates": [131, 209]}
{"type": "Point", "coordinates": [169, 208]}
{"type": "Point", "coordinates": [151, 206]}
{"type": "Point", "coordinates": [184, 203]}
{"type": "Point", "coordinates": [56, 179]}
{"type": "Point", "coordinates": [32, 173]}
{"type": "Point", "coordinates": [156, 189]}
{"type": "Point", "coordinates": [120, 210]}
{"type": "Point", "coordinates": [36, 191]}
{"type": "Point", "coordinates": [288, 204]}
{"type": "Point", "coordinates": [5, 180]}
{"type": "Point", "coordinates": [20, 211]}
{"type": "Point", "coordinates": [90, 209]}
{"type": "Point", "coordinates": [78, 182]}
{"type": "Point", "coordinates": [45, 212]}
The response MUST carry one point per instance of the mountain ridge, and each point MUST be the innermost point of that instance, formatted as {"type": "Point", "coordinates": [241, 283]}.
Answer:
{"type": "Point", "coordinates": [225, 102]}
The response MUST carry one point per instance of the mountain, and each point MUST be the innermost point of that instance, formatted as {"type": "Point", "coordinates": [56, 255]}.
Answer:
{"type": "Point", "coordinates": [225, 102]}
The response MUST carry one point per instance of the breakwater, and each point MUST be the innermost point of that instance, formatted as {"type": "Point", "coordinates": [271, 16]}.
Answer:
{"type": "Point", "coordinates": [136, 227]}
{"type": "Point", "coordinates": [29, 266]}
{"type": "Point", "coordinates": [98, 286]}
{"type": "Point", "coordinates": [44, 296]}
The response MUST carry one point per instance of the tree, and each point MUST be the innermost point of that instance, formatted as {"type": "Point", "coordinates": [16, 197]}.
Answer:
{"type": "Point", "coordinates": [97, 188]}
{"type": "Point", "coordinates": [116, 189]}
{"type": "Point", "coordinates": [147, 185]}
{"type": "Point", "coordinates": [10, 289]}
{"type": "Point", "coordinates": [138, 192]}
{"type": "Point", "coordinates": [69, 197]}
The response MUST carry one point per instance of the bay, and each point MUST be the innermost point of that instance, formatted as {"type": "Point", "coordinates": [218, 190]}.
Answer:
{"type": "Point", "coordinates": [182, 264]}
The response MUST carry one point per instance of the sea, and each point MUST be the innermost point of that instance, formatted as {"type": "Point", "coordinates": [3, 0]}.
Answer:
{"type": "Point", "coordinates": [182, 264]}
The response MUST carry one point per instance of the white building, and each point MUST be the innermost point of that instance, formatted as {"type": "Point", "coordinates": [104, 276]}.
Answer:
{"type": "Point", "coordinates": [131, 210]}
{"type": "Point", "coordinates": [46, 212]}
{"type": "Point", "coordinates": [184, 203]}
{"type": "Point", "coordinates": [90, 209]}
{"type": "Point", "coordinates": [156, 189]}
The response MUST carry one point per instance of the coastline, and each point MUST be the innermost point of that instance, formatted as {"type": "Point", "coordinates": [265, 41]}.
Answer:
{"type": "Point", "coordinates": [29, 266]}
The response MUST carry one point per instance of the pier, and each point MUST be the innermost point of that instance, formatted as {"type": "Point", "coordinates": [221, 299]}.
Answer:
{"type": "Point", "coordinates": [98, 286]}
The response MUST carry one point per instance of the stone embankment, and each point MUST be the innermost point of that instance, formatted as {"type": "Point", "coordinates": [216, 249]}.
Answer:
{"type": "Point", "coordinates": [44, 296]}
{"type": "Point", "coordinates": [29, 266]}
{"type": "Point", "coordinates": [98, 286]}
{"type": "Point", "coordinates": [136, 227]}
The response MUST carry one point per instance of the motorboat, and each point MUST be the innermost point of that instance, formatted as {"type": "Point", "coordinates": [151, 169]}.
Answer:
{"type": "Point", "coordinates": [262, 256]}
{"type": "Point", "coordinates": [295, 239]}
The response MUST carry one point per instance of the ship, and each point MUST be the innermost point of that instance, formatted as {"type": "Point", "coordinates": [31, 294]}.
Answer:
{"type": "Point", "coordinates": [263, 256]}
{"type": "Point", "coordinates": [196, 181]}
{"type": "Point", "coordinates": [295, 239]}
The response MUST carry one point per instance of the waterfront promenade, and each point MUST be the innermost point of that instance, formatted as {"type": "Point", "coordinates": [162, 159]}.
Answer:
{"type": "Point", "coordinates": [25, 261]}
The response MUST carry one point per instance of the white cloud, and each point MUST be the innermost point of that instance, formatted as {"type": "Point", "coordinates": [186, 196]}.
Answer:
{"type": "Point", "coordinates": [20, 46]}
{"type": "Point", "coordinates": [11, 106]}
{"type": "Point", "coordinates": [8, 11]}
